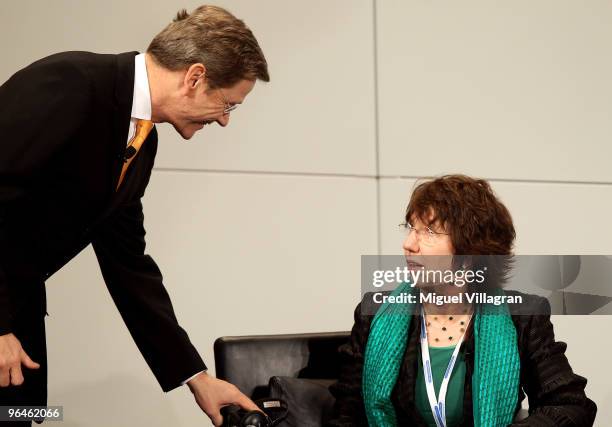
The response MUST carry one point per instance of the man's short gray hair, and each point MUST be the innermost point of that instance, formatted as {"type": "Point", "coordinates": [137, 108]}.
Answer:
{"type": "Point", "coordinates": [212, 36]}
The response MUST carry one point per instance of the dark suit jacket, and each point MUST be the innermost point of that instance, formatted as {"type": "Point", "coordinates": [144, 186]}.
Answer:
{"type": "Point", "coordinates": [556, 393]}
{"type": "Point", "coordinates": [64, 126]}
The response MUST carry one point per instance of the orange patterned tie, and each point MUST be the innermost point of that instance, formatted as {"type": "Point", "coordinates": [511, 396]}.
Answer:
{"type": "Point", "coordinates": [143, 127]}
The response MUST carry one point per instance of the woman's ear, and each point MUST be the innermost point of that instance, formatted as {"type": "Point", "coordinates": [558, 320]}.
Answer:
{"type": "Point", "coordinates": [462, 262]}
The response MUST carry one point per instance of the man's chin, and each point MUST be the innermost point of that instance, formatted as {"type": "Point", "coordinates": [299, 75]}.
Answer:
{"type": "Point", "coordinates": [186, 133]}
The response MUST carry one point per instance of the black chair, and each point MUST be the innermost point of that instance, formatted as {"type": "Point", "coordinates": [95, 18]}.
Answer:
{"type": "Point", "coordinates": [250, 361]}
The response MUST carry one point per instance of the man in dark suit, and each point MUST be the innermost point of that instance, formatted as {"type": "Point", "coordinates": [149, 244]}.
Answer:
{"type": "Point", "coordinates": [78, 146]}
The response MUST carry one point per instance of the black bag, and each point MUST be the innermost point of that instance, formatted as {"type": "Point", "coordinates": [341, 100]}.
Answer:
{"type": "Point", "coordinates": [274, 411]}
{"type": "Point", "coordinates": [309, 401]}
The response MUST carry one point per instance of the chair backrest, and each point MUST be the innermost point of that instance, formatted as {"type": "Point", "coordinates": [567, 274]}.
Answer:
{"type": "Point", "coordinates": [249, 361]}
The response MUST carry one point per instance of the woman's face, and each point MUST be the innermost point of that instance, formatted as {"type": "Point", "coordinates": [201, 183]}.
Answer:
{"type": "Point", "coordinates": [428, 248]}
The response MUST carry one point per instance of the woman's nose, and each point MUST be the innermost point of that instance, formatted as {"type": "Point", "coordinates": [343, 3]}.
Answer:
{"type": "Point", "coordinates": [411, 242]}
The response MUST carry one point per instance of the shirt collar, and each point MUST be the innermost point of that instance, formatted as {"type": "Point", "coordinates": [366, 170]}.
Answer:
{"type": "Point", "coordinates": [141, 103]}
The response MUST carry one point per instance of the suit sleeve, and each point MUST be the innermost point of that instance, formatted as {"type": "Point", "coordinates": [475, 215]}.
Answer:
{"type": "Point", "coordinates": [556, 394]}
{"type": "Point", "coordinates": [43, 105]}
{"type": "Point", "coordinates": [136, 286]}
{"type": "Point", "coordinates": [349, 409]}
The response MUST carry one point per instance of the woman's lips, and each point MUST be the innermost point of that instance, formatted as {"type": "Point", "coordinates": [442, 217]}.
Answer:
{"type": "Point", "coordinates": [414, 265]}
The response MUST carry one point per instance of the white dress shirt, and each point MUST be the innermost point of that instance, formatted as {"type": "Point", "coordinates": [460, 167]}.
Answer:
{"type": "Point", "coordinates": [141, 102]}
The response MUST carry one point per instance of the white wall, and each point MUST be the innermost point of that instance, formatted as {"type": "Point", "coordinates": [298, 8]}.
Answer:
{"type": "Point", "coordinates": [317, 166]}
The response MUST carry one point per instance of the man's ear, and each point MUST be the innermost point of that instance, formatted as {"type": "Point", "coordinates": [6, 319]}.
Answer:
{"type": "Point", "coordinates": [195, 76]}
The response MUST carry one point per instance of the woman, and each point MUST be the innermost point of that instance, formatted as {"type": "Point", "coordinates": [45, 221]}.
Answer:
{"type": "Point", "coordinates": [396, 360]}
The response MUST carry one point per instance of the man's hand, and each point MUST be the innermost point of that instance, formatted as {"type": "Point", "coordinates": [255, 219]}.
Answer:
{"type": "Point", "coordinates": [212, 394]}
{"type": "Point", "coordinates": [11, 358]}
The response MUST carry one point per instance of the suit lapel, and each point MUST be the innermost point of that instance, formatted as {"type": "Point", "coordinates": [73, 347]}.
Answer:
{"type": "Point", "coordinates": [123, 96]}
{"type": "Point", "coordinates": [122, 110]}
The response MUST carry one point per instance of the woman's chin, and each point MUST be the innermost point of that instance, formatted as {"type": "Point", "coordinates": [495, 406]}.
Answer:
{"type": "Point", "coordinates": [430, 287]}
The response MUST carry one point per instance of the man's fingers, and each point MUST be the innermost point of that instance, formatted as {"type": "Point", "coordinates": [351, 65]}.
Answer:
{"type": "Point", "coordinates": [27, 362]}
{"type": "Point", "coordinates": [11, 358]}
{"type": "Point", "coordinates": [16, 376]}
{"type": "Point", "coordinates": [216, 418]}
{"type": "Point", "coordinates": [247, 403]}
{"type": "Point", "coordinates": [4, 377]}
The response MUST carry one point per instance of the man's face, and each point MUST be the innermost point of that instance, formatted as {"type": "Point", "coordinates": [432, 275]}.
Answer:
{"type": "Point", "coordinates": [199, 105]}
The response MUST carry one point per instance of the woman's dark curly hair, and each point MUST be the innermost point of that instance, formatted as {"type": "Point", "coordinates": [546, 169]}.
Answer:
{"type": "Point", "coordinates": [478, 223]}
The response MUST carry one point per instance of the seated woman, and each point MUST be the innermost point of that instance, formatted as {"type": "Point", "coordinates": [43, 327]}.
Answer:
{"type": "Point", "coordinates": [457, 364]}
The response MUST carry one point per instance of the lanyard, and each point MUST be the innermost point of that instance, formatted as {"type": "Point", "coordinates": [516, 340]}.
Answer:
{"type": "Point", "coordinates": [437, 405]}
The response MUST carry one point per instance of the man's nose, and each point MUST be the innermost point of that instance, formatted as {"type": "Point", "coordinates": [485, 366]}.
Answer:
{"type": "Point", "coordinates": [223, 120]}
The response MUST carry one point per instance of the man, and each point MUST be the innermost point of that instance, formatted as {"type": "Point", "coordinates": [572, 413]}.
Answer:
{"type": "Point", "coordinates": [78, 145]}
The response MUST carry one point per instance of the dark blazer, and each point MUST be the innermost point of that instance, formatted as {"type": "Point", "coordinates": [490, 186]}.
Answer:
{"type": "Point", "coordinates": [64, 128]}
{"type": "Point", "coordinates": [556, 393]}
